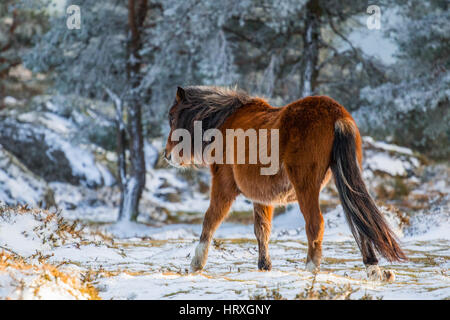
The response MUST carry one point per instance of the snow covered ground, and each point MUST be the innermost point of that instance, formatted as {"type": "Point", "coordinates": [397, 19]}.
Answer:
{"type": "Point", "coordinates": [134, 261]}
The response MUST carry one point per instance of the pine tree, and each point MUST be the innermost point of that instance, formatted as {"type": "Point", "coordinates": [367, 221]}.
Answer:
{"type": "Point", "coordinates": [135, 56]}
{"type": "Point", "coordinates": [413, 106]}
{"type": "Point", "coordinates": [102, 60]}
{"type": "Point", "coordinates": [20, 22]}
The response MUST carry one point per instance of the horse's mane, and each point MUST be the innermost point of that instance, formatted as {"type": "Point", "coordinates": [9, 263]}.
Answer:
{"type": "Point", "coordinates": [211, 105]}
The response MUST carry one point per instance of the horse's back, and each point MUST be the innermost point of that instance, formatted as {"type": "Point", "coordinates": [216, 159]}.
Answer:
{"type": "Point", "coordinates": [306, 134]}
{"type": "Point", "coordinates": [307, 129]}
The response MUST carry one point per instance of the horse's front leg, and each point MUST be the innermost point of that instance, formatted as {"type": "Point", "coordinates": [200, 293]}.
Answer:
{"type": "Point", "coordinates": [263, 225]}
{"type": "Point", "coordinates": [223, 193]}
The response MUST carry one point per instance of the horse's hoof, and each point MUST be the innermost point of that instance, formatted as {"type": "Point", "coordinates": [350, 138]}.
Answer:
{"type": "Point", "coordinates": [199, 259]}
{"type": "Point", "coordinates": [265, 265]}
{"type": "Point", "coordinates": [196, 266]}
{"type": "Point", "coordinates": [375, 273]}
{"type": "Point", "coordinates": [311, 267]}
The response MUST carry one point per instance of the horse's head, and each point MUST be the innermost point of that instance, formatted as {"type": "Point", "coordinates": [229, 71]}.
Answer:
{"type": "Point", "coordinates": [198, 109]}
{"type": "Point", "coordinates": [175, 123]}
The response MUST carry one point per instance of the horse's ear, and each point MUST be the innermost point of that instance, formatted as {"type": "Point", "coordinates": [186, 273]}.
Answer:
{"type": "Point", "coordinates": [180, 94]}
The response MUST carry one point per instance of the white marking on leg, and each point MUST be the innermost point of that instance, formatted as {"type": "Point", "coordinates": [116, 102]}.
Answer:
{"type": "Point", "coordinates": [199, 259]}
{"type": "Point", "coordinates": [374, 273]}
{"type": "Point", "coordinates": [311, 267]}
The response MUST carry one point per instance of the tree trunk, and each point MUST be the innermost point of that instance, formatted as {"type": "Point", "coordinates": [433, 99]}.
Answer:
{"type": "Point", "coordinates": [132, 191]}
{"type": "Point", "coordinates": [121, 155]}
{"type": "Point", "coordinates": [136, 180]}
{"type": "Point", "coordinates": [311, 40]}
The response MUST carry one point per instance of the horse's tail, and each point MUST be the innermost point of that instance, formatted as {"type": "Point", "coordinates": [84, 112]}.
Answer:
{"type": "Point", "coordinates": [365, 220]}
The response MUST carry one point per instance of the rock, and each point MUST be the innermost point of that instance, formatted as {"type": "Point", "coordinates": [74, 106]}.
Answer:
{"type": "Point", "coordinates": [21, 186]}
{"type": "Point", "coordinates": [10, 101]}
{"type": "Point", "coordinates": [389, 158]}
{"type": "Point", "coordinates": [170, 197]}
{"type": "Point", "coordinates": [50, 155]}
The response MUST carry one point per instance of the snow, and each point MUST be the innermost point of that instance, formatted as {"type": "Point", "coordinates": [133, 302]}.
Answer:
{"type": "Point", "coordinates": [55, 131]}
{"type": "Point", "coordinates": [26, 237]}
{"type": "Point", "coordinates": [50, 120]}
{"type": "Point", "coordinates": [151, 154]}
{"type": "Point", "coordinates": [18, 190]}
{"type": "Point", "coordinates": [432, 226]}
{"type": "Point", "coordinates": [231, 273]}
{"type": "Point", "coordinates": [191, 201]}
{"type": "Point", "coordinates": [374, 42]}
{"type": "Point", "coordinates": [18, 185]}
{"type": "Point", "coordinates": [81, 161]}
{"type": "Point", "coordinates": [386, 146]}
{"type": "Point", "coordinates": [389, 158]}
{"type": "Point", "coordinates": [126, 229]}
{"type": "Point", "coordinates": [152, 263]}
{"type": "Point", "coordinates": [40, 284]}
{"type": "Point", "coordinates": [383, 162]}
{"type": "Point", "coordinates": [8, 100]}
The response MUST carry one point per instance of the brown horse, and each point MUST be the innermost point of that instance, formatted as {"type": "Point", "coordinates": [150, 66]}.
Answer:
{"type": "Point", "coordinates": [317, 139]}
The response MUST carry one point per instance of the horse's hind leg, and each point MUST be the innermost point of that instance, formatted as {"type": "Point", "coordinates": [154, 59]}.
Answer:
{"type": "Point", "coordinates": [370, 259]}
{"type": "Point", "coordinates": [368, 253]}
{"type": "Point", "coordinates": [314, 225]}
{"type": "Point", "coordinates": [263, 225]}
{"type": "Point", "coordinates": [308, 199]}
{"type": "Point", "coordinates": [223, 193]}
{"type": "Point", "coordinates": [374, 272]}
